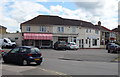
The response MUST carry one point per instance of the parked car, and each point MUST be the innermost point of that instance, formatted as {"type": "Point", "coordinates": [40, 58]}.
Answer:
{"type": "Point", "coordinates": [23, 55]}
{"type": "Point", "coordinates": [6, 42]}
{"type": "Point", "coordinates": [108, 45]}
{"type": "Point", "coordinates": [60, 45]}
{"type": "Point", "coordinates": [114, 48]}
{"type": "Point", "coordinates": [72, 45]}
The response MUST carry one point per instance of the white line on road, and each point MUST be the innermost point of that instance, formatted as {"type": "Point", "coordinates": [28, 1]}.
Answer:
{"type": "Point", "coordinates": [55, 72]}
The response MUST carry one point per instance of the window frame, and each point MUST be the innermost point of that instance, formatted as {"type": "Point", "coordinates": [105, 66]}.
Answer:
{"type": "Point", "coordinates": [96, 31]}
{"type": "Point", "coordinates": [94, 42]}
{"type": "Point", "coordinates": [60, 29]}
{"type": "Point", "coordinates": [87, 30]}
{"type": "Point", "coordinates": [73, 29]}
{"type": "Point", "coordinates": [28, 28]}
{"type": "Point", "coordinates": [42, 28]}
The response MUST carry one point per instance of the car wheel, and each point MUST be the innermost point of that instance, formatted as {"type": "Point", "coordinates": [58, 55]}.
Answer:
{"type": "Point", "coordinates": [76, 49]}
{"type": "Point", "coordinates": [108, 51]}
{"type": "Point", "coordinates": [5, 62]}
{"type": "Point", "coordinates": [24, 63]}
{"type": "Point", "coordinates": [14, 46]}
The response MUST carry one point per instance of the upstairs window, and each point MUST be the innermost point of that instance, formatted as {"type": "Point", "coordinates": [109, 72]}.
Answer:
{"type": "Point", "coordinates": [96, 31]}
{"type": "Point", "coordinates": [86, 30]}
{"type": "Point", "coordinates": [60, 29]}
{"type": "Point", "coordinates": [42, 29]}
{"type": "Point", "coordinates": [90, 30]}
{"type": "Point", "coordinates": [28, 28]}
{"type": "Point", "coordinates": [74, 29]}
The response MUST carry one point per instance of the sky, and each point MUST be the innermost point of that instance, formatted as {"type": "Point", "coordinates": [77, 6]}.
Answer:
{"type": "Point", "coordinates": [15, 12]}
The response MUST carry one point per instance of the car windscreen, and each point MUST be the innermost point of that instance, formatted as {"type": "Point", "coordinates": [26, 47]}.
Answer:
{"type": "Point", "coordinates": [62, 42]}
{"type": "Point", "coordinates": [35, 50]}
{"type": "Point", "coordinates": [24, 50]}
{"type": "Point", "coordinates": [71, 44]}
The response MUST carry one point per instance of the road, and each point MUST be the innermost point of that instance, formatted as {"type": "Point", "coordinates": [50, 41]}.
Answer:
{"type": "Point", "coordinates": [53, 65]}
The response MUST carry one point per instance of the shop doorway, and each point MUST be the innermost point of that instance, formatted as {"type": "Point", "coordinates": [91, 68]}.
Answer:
{"type": "Point", "coordinates": [81, 43]}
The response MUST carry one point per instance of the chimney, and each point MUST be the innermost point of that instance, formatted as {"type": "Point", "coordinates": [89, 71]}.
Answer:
{"type": "Point", "coordinates": [99, 23]}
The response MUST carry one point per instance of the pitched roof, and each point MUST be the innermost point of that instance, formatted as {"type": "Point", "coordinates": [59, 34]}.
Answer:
{"type": "Point", "coordinates": [56, 20]}
{"type": "Point", "coordinates": [106, 28]}
{"type": "Point", "coordinates": [103, 28]}
{"type": "Point", "coordinates": [117, 29]}
{"type": "Point", "coordinates": [2, 27]}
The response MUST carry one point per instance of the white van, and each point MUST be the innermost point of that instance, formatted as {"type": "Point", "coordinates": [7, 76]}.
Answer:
{"type": "Point", "coordinates": [6, 42]}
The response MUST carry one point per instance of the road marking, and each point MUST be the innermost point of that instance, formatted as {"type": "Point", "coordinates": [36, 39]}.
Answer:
{"type": "Point", "coordinates": [25, 68]}
{"type": "Point", "coordinates": [55, 72]}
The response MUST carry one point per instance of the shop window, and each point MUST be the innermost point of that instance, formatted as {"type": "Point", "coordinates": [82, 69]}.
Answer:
{"type": "Point", "coordinates": [86, 41]}
{"type": "Point", "coordinates": [75, 39]}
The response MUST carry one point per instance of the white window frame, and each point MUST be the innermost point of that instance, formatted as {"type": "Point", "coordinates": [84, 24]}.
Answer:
{"type": "Point", "coordinates": [73, 29]}
{"type": "Point", "coordinates": [90, 30]}
{"type": "Point", "coordinates": [60, 29]}
{"type": "Point", "coordinates": [96, 32]}
{"type": "Point", "coordinates": [95, 42]}
{"type": "Point", "coordinates": [87, 30]}
{"type": "Point", "coordinates": [42, 29]}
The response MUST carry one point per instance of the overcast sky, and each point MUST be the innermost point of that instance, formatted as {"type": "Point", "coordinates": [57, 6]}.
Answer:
{"type": "Point", "coordinates": [14, 12]}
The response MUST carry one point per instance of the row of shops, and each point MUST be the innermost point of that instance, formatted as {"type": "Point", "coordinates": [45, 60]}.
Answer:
{"type": "Point", "coordinates": [44, 40]}
{"type": "Point", "coordinates": [47, 40]}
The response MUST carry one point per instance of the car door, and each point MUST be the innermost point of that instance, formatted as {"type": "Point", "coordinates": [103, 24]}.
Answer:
{"type": "Point", "coordinates": [12, 55]}
{"type": "Point", "coordinates": [22, 54]}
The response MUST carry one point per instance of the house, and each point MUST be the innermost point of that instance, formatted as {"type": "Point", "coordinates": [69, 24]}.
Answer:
{"type": "Point", "coordinates": [106, 35]}
{"type": "Point", "coordinates": [45, 30]}
{"type": "Point", "coordinates": [2, 30]}
{"type": "Point", "coordinates": [117, 30]}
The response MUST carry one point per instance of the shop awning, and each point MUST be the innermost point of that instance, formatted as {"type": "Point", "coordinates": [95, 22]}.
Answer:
{"type": "Point", "coordinates": [37, 36]}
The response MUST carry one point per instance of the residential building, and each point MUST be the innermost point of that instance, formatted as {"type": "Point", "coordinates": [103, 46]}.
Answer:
{"type": "Point", "coordinates": [106, 35]}
{"type": "Point", "coordinates": [45, 30]}
{"type": "Point", "coordinates": [2, 30]}
{"type": "Point", "coordinates": [117, 30]}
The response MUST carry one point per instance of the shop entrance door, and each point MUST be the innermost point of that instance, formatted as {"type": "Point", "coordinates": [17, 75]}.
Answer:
{"type": "Point", "coordinates": [81, 43]}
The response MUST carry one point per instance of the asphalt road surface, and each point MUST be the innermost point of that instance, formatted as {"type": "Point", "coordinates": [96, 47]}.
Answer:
{"type": "Point", "coordinates": [53, 65]}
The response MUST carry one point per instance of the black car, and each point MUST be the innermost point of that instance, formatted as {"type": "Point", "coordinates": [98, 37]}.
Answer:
{"type": "Point", "coordinates": [114, 48]}
{"type": "Point", "coordinates": [60, 45]}
{"type": "Point", "coordinates": [23, 55]}
{"type": "Point", "coordinates": [109, 44]}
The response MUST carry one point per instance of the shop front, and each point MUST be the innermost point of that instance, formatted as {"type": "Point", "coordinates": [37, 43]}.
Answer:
{"type": "Point", "coordinates": [38, 40]}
